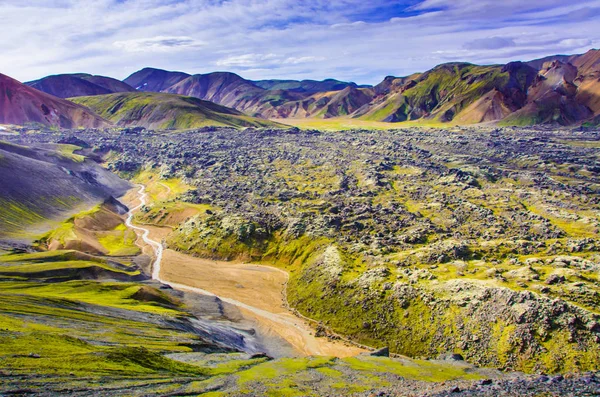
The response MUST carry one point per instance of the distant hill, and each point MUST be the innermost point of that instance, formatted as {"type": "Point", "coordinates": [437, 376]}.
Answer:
{"type": "Point", "coordinates": [223, 88]}
{"type": "Point", "coordinates": [20, 104]}
{"type": "Point", "coordinates": [166, 111]}
{"type": "Point", "coordinates": [154, 80]}
{"type": "Point", "coordinates": [310, 86]}
{"type": "Point", "coordinates": [72, 85]}
{"type": "Point", "coordinates": [561, 89]}
{"type": "Point", "coordinates": [320, 105]}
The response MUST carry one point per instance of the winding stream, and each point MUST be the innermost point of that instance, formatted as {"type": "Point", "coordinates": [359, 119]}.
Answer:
{"type": "Point", "coordinates": [309, 342]}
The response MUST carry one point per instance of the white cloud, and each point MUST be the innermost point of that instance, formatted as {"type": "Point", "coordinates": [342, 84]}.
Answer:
{"type": "Point", "coordinates": [158, 44]}
{"type": "Point", "coordinates": [344, 39]}
{"type": "Point", "coordinates": [248, 60]}
{"type": "Point", "coordinates": [299, 60]}
{"type": "Point", "coordinates": [351, 25]}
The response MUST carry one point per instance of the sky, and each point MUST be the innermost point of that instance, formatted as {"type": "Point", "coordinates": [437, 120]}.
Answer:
{"type": "Point", "coordinates": [352, 40]}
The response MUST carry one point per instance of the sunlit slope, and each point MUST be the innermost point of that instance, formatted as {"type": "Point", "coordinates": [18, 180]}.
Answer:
{"type": "Point", "coordinates": [167, 111]}
{"type": "Point", "coordinates": [42, 184]}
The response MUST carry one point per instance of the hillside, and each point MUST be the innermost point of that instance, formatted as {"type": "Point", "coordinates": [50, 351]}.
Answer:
{"type": "Point", "coordinates": [166, 111]}
{"type": "Point", "coordinates": [320, 105]}
{"type": "Point", "coordinates": [21, 104]}
{"type": "Point", "coordinates": [310, 86]}
{"type": "Point", "coordinates": [224, 88]}
{"type": "Point", "coordinates": [154, 80]}
{"type": "Point", "coordinates": [558, 89]}
{"type": "Point", "coordinates": [41, 184]}
{"type": "Point", "coordinates": [518, 93]}
{"type": "Point", "coordinates": [81, 316]}
{"type": "Point", "coordinates": [73, 85]}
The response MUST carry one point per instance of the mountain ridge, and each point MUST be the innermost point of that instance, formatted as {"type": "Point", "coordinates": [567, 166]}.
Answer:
{"type": "Point", "coordinates": [20, 104]}
{"type": "Point", "coordinates": [79, 84]}
{"type": "Point", "coordinates": [452, 92]}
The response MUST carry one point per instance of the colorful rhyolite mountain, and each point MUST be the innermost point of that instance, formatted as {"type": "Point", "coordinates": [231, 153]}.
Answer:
{"type": "Point", "coordinates": [72, 85]}
{"type": "Point", "coordinates": [20, 104]}
{"type": "Point", "coordinates": [101, 108]}
{"type": "Point", "coordinates": [559, 89]}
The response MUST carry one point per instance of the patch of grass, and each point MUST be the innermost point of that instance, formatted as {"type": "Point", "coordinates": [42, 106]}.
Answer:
{"type": "Point", "coordinates": [120, 242]}
{"type": "Point", "coordinates": [117, 295]}
{"type": "Point", "coordinates": [417, 369]}
{"type": "Point", "coordinates": [68, 152]}
{"type": "Point", "coordinates": [167, 111]}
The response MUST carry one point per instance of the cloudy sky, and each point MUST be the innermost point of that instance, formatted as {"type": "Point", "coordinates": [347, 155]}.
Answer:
{"type": "Point", "coordinates": [356, 40]}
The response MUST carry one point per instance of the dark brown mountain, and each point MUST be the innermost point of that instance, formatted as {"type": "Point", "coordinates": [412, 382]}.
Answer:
{"type": "Point", "coordinates": [20, 104]}
{"type": "Point", "coordinates": [73, 85]}
{"type": "Point", "coordinates": [224, 88]}
{"type": "Point", "coordinates": [154, 80]}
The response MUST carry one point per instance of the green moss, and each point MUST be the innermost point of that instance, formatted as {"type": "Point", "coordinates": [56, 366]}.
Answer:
{"type": "Point", "coordinates": [117, 295]}
{"type": "Point", "coordinates": [120, 242]}
{"type": "Point", "coordinates": [418, 370]}
{"type": "Point", "coordinates": [167, 111]}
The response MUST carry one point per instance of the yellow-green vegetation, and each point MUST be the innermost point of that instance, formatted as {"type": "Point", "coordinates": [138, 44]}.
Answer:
{"type": "Point", "coordinates": [163, 208]}
{"type": "Point", "coordinates": [98, 230]}
{"type": "Point", "coordinates": [347, 123]}
{"type": "Point", "coordinates": [100, 335]}
{"type": "Point", "coordinates": [307, 177]}
{"type": "Point", "coordinates": [167, 111]}
{"type": "Point", "coordinates": [415, 239]}
{"type": "Point", "coordinates": [160, 189]}
{"type": "Point", "coordinates": [443, 93]}
{"type": "Point", "coordinates": [119, 242]}
{"type": "Point", "coordinates": [293, 377]}
{"type": "Point", "coordinates": [68, 151]}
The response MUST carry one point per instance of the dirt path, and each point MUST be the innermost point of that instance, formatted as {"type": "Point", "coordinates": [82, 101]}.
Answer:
{"type": "Point", "coordinates": [258, 291]}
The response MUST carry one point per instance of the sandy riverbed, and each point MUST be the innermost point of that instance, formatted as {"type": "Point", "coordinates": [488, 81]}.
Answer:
{"type": "Point", "coordinates": [258, 292]}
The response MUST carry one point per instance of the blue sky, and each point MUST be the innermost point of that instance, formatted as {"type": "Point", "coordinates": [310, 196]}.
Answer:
{"type": "Point", "coordinates": [356, 40]}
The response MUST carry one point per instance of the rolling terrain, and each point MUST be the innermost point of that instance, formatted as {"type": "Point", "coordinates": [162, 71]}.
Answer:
{"type": "Point", "coordinates": [558, 90]}
{"type": "Point", "coordinates": [477, 242]}
{"type": "Point", "coordinates": [166, 111]}
{"type": "Point", "coordinates": [72, 85]}
{"type": "Point", "coordinates": [41, 185]}
{"type": "Point", "coordinates": [555, 90]}
{"type": "Point", "coordinates": [81, 316]}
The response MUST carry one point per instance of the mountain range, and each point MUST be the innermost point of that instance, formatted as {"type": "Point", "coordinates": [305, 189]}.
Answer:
{"type": "Point", "coordinates": [561, 89]}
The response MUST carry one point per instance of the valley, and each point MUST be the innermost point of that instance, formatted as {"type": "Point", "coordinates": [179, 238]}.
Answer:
{"type": "Point", "coordinates": [254, 229]}
{"type": "Point", "coordinates": [300, 199]}
{"type": "Point", "coordinates": [262, 296]}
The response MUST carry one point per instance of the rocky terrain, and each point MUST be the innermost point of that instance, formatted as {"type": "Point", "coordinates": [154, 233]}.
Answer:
{"type": "Point", "coordinates": [474, 243]}
{"type": "Point", "coordinates": [479, 242]}
{"type": "Point", "coordinates": [80, 315]}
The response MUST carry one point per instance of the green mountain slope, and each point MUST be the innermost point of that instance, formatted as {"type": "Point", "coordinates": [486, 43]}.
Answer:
{"type": "Point", "coordinates": [38, 185]}
{"type": "Point", "coordinates": [166, 111]}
